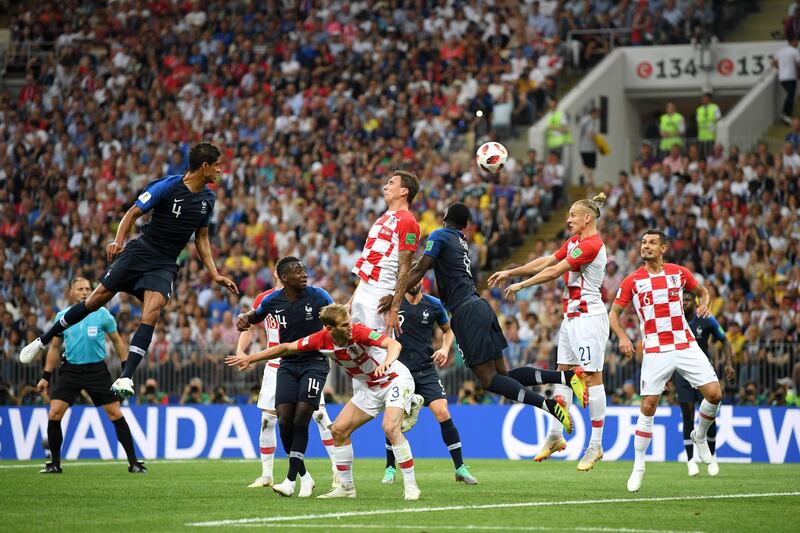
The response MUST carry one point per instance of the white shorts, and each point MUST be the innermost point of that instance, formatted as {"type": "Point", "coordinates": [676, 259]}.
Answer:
{"type": "Point", "coordinates": [266, 396]}
{"type": "Point", "coordinates": [364, 307]}
{"type": "Point", "coordinates": [374, 400]}
{"type": "Point", "coordinates": [582, 342]}
{"type": "Point", "coordinates": [691, 363]}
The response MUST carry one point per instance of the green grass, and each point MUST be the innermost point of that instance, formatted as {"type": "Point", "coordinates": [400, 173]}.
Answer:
{"type": "Point", "coordinates": [105, 497]}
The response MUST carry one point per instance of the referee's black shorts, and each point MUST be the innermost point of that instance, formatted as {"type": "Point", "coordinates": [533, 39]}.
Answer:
{"type": "Point", "coordinates": [92, 377]}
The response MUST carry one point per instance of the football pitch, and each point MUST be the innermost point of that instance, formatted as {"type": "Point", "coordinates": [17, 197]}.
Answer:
{"type": "Point", "coordinates": [512, 496]}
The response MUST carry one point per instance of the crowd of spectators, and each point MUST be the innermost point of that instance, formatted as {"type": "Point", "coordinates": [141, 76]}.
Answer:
{"type": "Point", "coordinates": [313, 106]}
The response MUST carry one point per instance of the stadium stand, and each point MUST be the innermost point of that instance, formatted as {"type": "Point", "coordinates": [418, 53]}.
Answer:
{"type": "Point", "coordinates": [314, 107]}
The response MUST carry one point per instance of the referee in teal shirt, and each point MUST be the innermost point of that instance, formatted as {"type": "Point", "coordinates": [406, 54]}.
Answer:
{"type": "Point", "coordinates": [83, 367]}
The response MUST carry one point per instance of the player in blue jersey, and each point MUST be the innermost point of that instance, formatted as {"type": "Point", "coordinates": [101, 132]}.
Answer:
{"type": "Point", "coordinates": [419, 315]}
{"type": "Point", "coordinates": [478, 334]}
{"type": "Point", "coordinates": [295, 309]}
{"type": "Point", "coordinates": [702, 328]}
{"type": "Point", "coordinates": [146, 267]}
{"type": "Point", "coordinates": [83, 367]}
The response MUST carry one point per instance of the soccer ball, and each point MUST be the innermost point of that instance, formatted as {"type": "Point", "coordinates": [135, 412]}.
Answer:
{"type": "Point", "coordinates": [491, 157]}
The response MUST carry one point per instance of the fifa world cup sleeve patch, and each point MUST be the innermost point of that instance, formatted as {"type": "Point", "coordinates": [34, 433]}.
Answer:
{"type": "Point", "coordinates": [304, 341]}
{"type": "Point", "coordinates": [429, 246]}
{"type": "Point", "coordinates": [576, 253]}
{"type": "Point", "coordinates": [374, 335]}
{"type": "Point", "coordinates": [411, 239]}
{"type": "Point", "coordinates": [145, 197]}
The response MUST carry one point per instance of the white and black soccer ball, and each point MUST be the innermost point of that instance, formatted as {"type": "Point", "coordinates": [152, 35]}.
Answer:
{"type": "Point", "coordinates": [491, 157]}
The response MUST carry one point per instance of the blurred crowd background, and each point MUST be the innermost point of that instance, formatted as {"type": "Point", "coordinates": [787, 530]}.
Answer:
{"type": "Point", "coordinates": [314, 103]}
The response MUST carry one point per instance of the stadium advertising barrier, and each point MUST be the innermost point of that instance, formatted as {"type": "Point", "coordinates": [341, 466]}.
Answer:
{"type": "Point", "coordinates": [746, 434]}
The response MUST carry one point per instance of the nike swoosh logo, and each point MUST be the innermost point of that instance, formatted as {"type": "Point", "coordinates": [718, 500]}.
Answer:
{"type": "Point", "coordinates": [176, 201]}
{"type": "Point", "coordinates": [279, 310]}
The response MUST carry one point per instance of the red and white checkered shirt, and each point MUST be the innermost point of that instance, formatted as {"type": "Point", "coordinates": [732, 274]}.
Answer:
{"type": "Point", "coordinates": [392, 233]}
{"type": "Point", "coordinates": [359, 358]}
{"type": "Point", "coordinates": [658, 300]}
{"type": "Point", "coordinates": [587, 261]}
{"type": "Point", "coordinates": [271, 326]}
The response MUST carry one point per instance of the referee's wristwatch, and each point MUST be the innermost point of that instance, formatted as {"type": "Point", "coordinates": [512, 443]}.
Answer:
{"type": "Point", "coordinates": [46, 376]}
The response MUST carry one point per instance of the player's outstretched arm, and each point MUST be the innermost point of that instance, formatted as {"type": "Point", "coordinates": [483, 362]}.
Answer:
{"type": "Point", "coordinates": [625, 344]}
{"type": "Point", "coordinates": [204, 249]}
{"type": "Point", "coordinates": [115, 247]}
{"type": "Point", "coordinates": [244, 361]}
{"type": "Point", "coordinates": [50, 364]}
{"type": "Point", "coordinates": [529, 269]}
{"type": "Point", "coordinates": [545, 276]}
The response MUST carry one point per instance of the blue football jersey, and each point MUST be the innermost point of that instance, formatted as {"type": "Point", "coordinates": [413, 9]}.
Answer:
{"type": "Point", "coordinates": [450, 251]}
{"type": "Point", "coordinates": [296, 319]}
{"type": "Point", "coordinates": [703, 328]}
{"type": "Point", "coordinates": [177, 213]}
{"type": "Point", "coordinates": [418, 323]}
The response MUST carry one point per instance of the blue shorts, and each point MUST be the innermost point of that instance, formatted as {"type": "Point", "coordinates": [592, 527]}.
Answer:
{"type": "Point", "coordinates": [478, 333]}
{"type": "Point", "coordinates": [428, 385]}
{"type": "Point", "coordinates": [686, 393]}
{"type": "Point", "coordinates": [140, 268]}
{"type": "Point", "coordinates": [301, 383]}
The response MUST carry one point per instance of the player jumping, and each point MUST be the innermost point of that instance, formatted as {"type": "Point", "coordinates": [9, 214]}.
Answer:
{"type": "Point", "coordinates": [419, 315]}
{"type": "Point", "coordinates": [292, 312]}
{"type": "Point", "coordinates": [380, 383]}
{"type": "Point", "coordinates": [387, 255]}
{"type": "Point", "coordinates": [702, 328]}
{"type": "Point", "coordinates": [656, 290]}
{"type": "Point", "coordinates": [146, 267]}
{"type": "Point", "coordinates": [584, 331]}
{"type": "Point", "coordinates": [474, 323]}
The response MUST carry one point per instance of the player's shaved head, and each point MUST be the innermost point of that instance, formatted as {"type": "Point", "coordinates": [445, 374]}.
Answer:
{"type": "Point", "coordinates": [458, 215]}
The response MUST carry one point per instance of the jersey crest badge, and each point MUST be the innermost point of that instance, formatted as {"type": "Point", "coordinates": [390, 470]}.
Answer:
{"type": "Point", "coordinates": [425, 316]}
{"type": "Point", "coordinates": [203, 207]}
{"type": "Point", "coordinates": [309, 310]}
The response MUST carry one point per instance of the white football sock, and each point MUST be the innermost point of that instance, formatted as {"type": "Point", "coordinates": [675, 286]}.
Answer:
{"type": "Point", "coordinates": [266, 442]}
{"type": "Point", "coordinates": [597, 413]}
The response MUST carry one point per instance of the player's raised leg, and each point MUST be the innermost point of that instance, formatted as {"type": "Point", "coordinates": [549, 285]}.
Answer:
{"type": "Point", "coordinates": [492, 375]}
{"type": "Point", "coordinates": [349, 419]}
{"type": "Point", "coordinates": [77, 312]}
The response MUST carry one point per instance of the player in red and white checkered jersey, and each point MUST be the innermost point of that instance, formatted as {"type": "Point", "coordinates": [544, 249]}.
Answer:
{"type": "Point", "coordinates": [387, 255]}
{"type": "Point", "coordinates": [656, 290]}
{"type": "Point", "coordinates": [584, 331]}
{"type": "Point", "coordinates": [266, 398]}
{"type": "Point", "coordinates": [380, 383]}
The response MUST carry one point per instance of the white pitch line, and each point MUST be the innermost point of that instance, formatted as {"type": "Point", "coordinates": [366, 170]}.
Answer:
{"type": "Point", "coordinates": [347, 514]}
{"type": "Point", "coordinates": [478, 528]}
{"type": "Point", "coordinates": [113, 462]}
